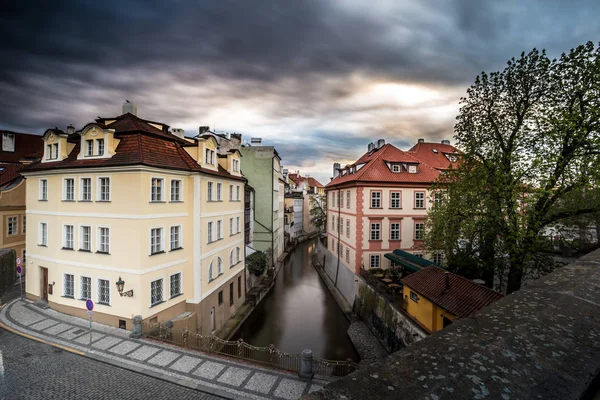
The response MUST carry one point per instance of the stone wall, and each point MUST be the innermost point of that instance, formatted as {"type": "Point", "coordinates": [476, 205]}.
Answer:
{"type": "Point", "coordinates": [541, 342]}
{"type": "Point", "coordinates": [345, 278]}
{"type": "Point", "coordinates": [393, 329]}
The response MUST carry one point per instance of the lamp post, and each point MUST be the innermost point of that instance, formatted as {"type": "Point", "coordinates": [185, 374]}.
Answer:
{"type": "Point", "coordinates": [120, 285]}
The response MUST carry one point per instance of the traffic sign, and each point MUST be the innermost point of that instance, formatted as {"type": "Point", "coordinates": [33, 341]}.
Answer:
{"type": "Point", "coordinates": [18, 260]}
{"type": "Point", "coordinates": [89, 304]}
{"type": "Point", "coordinates": [90, 312]}
{"type": "Point", "coordinates": [19, 270]}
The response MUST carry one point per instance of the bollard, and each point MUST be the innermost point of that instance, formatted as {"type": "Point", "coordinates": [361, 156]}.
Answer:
{"type": "Point", "coordinates": [306, 367]}
{"type": "Point", "coordinates": [137, 327]}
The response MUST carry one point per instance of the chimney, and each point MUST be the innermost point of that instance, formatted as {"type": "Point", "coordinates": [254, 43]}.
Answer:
{"type": "Point", "coordinates": [445, 141]}
{"type": "Point", "coordinates": [256, 141]}
{"type": "Point", "coordinates": [380, 143]}
{"type": "Point", "coordinates": [336, 169]}
{"type": "Point", "coordinates": [129, 107]}
{"type": "Point", "coordinates": [371, 147]}
{"type": "Point", "coordinates": [178, 132]}
{"type": "Point", "coordinates": [285, 172]}
{"type": "Point", "coordinates": [70, 129]}
{"type": "Point", "coordinates": [203, 129]}
{"type": "Point", "coordinates": [421, 140]}
{"type": "Point", "coordinates": [447, 279]}
{"type": "Point", "coordinates": [236, 140]}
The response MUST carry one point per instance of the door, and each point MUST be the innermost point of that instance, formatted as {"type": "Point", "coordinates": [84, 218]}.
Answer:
{"type": "Point", "coordinates": [212, 319]}
{"type": "Point", "coordinates": [44, 284]}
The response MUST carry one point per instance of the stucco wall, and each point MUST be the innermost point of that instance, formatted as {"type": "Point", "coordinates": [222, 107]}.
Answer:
{"type": "Point", "coordinates": [342, 277]}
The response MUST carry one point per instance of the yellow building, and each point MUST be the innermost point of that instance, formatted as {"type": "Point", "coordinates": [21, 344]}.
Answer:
{"type": "Point", "coordinates": [435, 297]}
{"type": "Point", "coordinates": [128, 200]}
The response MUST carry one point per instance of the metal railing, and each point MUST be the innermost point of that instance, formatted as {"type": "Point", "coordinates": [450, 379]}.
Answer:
{"type": "Point", "coordinates": [270, 355]}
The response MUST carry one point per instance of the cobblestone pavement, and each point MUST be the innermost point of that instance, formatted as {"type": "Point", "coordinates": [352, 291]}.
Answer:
{"type": "Point", "coordinates": [33, 370]}
{"type": "Point", "coordinates": [216, 375]}
{"type": "Point", "coordinates": [366, 343]}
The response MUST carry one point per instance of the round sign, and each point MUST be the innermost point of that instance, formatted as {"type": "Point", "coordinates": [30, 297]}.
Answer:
{"type": "Point", "coordinates": [89, 304]}
{"type": "Point", "coordinates": [18, 260]}
{"type": "Point", "coordinates": [19, 270]}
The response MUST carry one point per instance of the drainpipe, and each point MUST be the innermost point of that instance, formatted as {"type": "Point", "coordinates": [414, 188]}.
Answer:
{"type": "Point", "coordinates": [272, 198]}
{"type": "Point", "coordinates": [339, 202]}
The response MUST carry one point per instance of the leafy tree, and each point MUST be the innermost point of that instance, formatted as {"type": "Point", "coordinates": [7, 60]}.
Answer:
{"type": "Point", "coordinates": [318, 213]}
{"type": "Point", "coordinates": [257, 263]}
{"type": "Point", "coordinates": [530, 139]}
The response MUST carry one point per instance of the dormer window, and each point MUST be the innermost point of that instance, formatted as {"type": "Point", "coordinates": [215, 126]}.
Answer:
{"type": "Point", "coordinates": [452, 157]}
{"type": "Point", "coordinates": [412, 169]}
{"type": "Point", "coordinates": [100, 143]}
{"type": "Point", "coordinates": [236, 165]}
{"type": "Point", "coordinates": [434, 150]}
{"type": "Point", "coordinates": [52, 151]}
{"type": "Point", "coordinates": [396, 168]}
{"type": "Point", "coordinates": [209, 158]}
{"type": "Point", "coordinates": [8, 141]}
{"type": "Point", "coordinates": [89, 148]}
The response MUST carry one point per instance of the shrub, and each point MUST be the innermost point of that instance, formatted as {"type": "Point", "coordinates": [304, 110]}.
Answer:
{"type": "Point", "coordinates": [257, 263]}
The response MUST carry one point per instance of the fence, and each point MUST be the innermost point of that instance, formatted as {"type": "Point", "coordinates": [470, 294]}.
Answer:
{"type": "Point", "coordinates": [270, 355]}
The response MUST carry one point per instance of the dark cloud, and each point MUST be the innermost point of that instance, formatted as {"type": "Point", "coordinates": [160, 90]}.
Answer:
{"type": "Point", "coordinates": [277, 69]}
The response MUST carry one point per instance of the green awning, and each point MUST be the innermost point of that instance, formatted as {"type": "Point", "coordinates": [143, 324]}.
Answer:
{"type": "Point", "coordinates": [407, 260]}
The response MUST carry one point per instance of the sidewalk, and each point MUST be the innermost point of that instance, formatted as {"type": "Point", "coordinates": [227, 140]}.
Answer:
{"type": "Point", "coordinates": [220, 376]}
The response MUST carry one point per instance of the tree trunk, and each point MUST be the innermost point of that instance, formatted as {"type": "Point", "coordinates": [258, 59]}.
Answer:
{"type": "Point", "coordinates": [515, 275]}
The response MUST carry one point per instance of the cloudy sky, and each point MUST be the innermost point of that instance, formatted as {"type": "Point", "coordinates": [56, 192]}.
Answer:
{"type": "Point", "coordinates": [318, 79]}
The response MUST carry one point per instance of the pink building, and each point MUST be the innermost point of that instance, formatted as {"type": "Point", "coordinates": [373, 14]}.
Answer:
{"type": "Point", "coordinates": [380, 202]}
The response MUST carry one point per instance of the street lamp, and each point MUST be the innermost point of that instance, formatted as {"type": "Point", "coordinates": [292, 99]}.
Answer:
{"type": "Point", "coordinates": [120, 284]}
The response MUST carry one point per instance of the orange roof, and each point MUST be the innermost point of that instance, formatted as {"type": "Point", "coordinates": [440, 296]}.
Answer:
{"type": "Point", "coordinates": [435, 154]}
{"type": "Point", "coordinates": [377, 168]}
{"type": "Point", "coordinates": [462, 298]}
{"type": "Point", "coordinates": [312, 182]}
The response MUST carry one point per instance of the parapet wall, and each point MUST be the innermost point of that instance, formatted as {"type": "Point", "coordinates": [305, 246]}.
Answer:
{"type": "Point", "coordinates": [540, 342]}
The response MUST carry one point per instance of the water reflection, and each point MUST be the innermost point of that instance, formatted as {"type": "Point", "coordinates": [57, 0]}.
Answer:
{"type": "Point", "coordinates": [300, 313]}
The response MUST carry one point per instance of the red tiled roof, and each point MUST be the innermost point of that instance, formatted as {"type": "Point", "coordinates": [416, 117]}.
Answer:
{"type": "Point", "coordinates": [377, 170]}
{"type": "Point", "coordinates": [425, 153]}
{"type": "Point", "coordinates": [312, 182]}
{"type": "Point", "coordinates": [10, 172]}
{"type": "Point", "coordinates": [462, 299]}
{"type": "Point", "coordinates": [132, 123]}
{"type": "Point", "coordinates": [26, 146]}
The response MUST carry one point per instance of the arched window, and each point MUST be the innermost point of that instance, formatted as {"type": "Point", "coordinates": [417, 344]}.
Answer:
{"type": "Point", "coordinates": [231, 258]}
{"type": "Point", "coordinates": [210, 271]}
{"type": "Point", "coordinates": [220, 265]}
{"type": "Point", "coordinates": [237, 254]}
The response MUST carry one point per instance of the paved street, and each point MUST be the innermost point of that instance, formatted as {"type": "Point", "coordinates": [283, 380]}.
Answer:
{"type": "Point", "coordinates": [33, 370]}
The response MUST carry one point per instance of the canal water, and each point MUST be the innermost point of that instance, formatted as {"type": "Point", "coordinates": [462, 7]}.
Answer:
{"type": "Point", "coordinates": [300, 313]}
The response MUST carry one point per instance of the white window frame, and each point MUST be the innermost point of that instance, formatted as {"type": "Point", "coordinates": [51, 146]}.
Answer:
{"type": "Point", "coordinates": [15, 219]}
{"type": "Point", "coordinates": [66, 191]}
{"type": "Point", "coordinates": [179, 239]}
{"type": "Point", "coordinates": [43, 190]}
{"type": "Point", "coordinates": [100, 145]}
{"type": "Point", "coordinates": [348, 199]}
{"type": "Point", "coordinates": [82, 189]}
{"type": "Point", "coordinates": [375, 230]}
{"type": "Point", "coordinates": [237, 255]}
{"type": "Point", "coordinates": [161, 291]}
{"type": "Point", "coordinates": [23, 224]}
{"type": "Point", "coordinates": [219, 266]}
{"type": "Point", "coordinates": [438, 258]}
{"type": "Point", "coordinates": [81, 241]}
{"type": "Point", "coordinates": [230, 192]}
{"type": "Point", "coordinates": [209, 191]}
{"type": "Point", "coordinates": [219, 191]}
{"type": "Point", "coordinates": [376, 198]}
{"type": "Point", "coordinates": [171, 294]}
{"type": "Point", "coordinates": [418, 194]}
{"type": "Point", "coordinates": [347, 255]}
{"type": "Point", "coordinates": [98, 301]}
{"type": "Point", "coordinates": [422, 230]}
{"type": "Point", "coordinates": [209, 230]}
{"type": "Point", "coordinates": [231, 226]}
{"type": "Point", "coordinates": [157, 189]}
{"type": "Point", "coordinates": [160, 245]}
{"type": "Point", "coordinates": [237, 224]}
{"type": "Point", "coordinates": [397, 231]}
{"type": "Point", "coordinates": [64, 291]}
{"type": "Point", "coordinates": [99, 188]}
{"type": "Point", "coordinates": [237, 194]}
{"type": "Point", "coordinates": [65, 239]}
{"type": "Point", "coordinates": [89, 148]}
{"type": "Point", "coordinates": [81, 278]}
{"type": "Point", "coordinates": [99, 239]}
{"type": "Point", "coordinates": [399, 199]}
{"type": "Point", "coordinates": [372, 258]}
{"type": "Point", "coordinates": [42, 238]}
{"type": "Point", "coordinates": [211, 276]}
{"type": "Point", "coordinates": [348, 227]}
{"type": "Point", "coordinates": [396, 168]}
{"type": "Point", "coordinates": [231, 259]}
{"type": "Point", "coordinates": [219, 229]}
{"type": "Point", "coordinates": [179, 190]}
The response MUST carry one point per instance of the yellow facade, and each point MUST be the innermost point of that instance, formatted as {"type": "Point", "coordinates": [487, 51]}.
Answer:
{"type": "Point", "coordinates": [428, 314]}
{"type": "Point", "coordinates": [13, 222]}
{"type": "Point", "coordinates": [153, 242]}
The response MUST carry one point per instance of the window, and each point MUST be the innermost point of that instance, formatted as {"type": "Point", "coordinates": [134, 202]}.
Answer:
{"type": "Point", "coordinates": [13, 226]}
{"type": "Point", "coordinates": [86, 239]}
{"type": "Point", "coordinates": [89, 145]}
{"type": "Point", "coordinates": [210, 272]}
{"type": "Point", "coordinates": [219, 233]}
{"type": "Point", "coordinates": [68, 238]}
{"type": "Point", "coordinates": [100, 147]}
{"type": "Point", "coordinates": [219, 187]}
{"type": "Point", "coordinates": [156, 191]}
{"type": "Point", "coordinates": [231, 226]}
{"type": "Point", "coordinates": [43, 234]}
{"type": "Point", "coordinates": [347, 255]}
{"type": "Point", "coordinates": [219, 265]}
{"type": "Point", "coordinates": [239, 287]}
{"type": "Point", "coordinates": [55, 148]}
{"type": "Point", "coordinates": [375, 231]}
{"type": "Point", "coordinates": [347, 228]}
{"type": "Point", "coordinates": [419, 230]}
{"type": "Point", "coordinates": [103, 291]}
{"type": "Point", "coordinates": [438, 258]}
{"type": "Point", "coordinates": [437, 199]}
{"type": "Point", "coordinates": [342, 199]}
{"type": "Point", "coordinates": [86, 189]}
{"type": "Point", "coordinates": [24, 225]}
{"type": "Point", "coordinates": [52, 151]}
{"type": "Point", "coordinates": [104, 189]}
{"type": "Point", "coordinates": [348, 199]}
{"type": "Point", "coordinates": [420, 255]}
{"type": "Point", "coordinates": [395, 200]}
{"type": "Point", "coordinates": [412, 169]}
{"type": "Point", "coordinates": [68, 285]}
{"type": "Point", "coordinates": [237, 254]}
{"type": "Point", "coordinates": [395, 231]}
{"type": "Point", "coordinates": [231, 284]}
{"type": "Point", "coordinates": [69, 194]}
{"type": "Point", "coordinates": [237, 193]}
{"type": "Point", "coordinates": [237, 224]}
{"type": "Point", "coordinates": [104, 237]}
{"type": "Point", "coordinates": [175, 190]}
{"type": "Point", "coordinates": [230, 192]}
{"type": "Point", "coordinates": [374, 260]}
{"type": "Point", "coordinates": [210, 232]}
{"type": "Point", "coordinates": [236, 165]}
{"type": "Point", "coordinates": [231, 262]}
{"type": "Point", "coordinates": [209, 157]}
{"type": "Point", "coordinates": [414, 297]}
{"type": "Point", "coordinates": [375, 199]}
{"type": "Point", "coordinates": [396, 168]}
{"type": "Point", "coordinates": [333, 223]}
{"type": "Point", "coordinates": [338, 199]}
{"type": "Point", "coordinates": [43, 189]}
{"type": "Point", "coordinates": [210, 191]}
{"type": "Point", "coordinates": [8, 141]}
{"type": "Point", "coordinates": [175, 237]}
{"type": "Point", "coordinates": [156, 292]}
{"type": "Point", "coordinates": [175, 284]}
{"type": "Point", "coordinates": [220, 297]}
{"type": "Point", "coordinates": [156, 240]}
{"type": "Point", "coordinates": [341, 225]}
{"type": "Point", "coordinates": [85, 285]}
{"type": "Point", "coordinates": [419, 199]}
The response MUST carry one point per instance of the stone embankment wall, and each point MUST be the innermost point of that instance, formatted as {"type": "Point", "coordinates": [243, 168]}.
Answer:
{"type": "Point", "coordinates": [541, 342]}
{"type": "Point", "coordinates": [339, 274]}
{"type": "Point", "coordinates": [393, 329]}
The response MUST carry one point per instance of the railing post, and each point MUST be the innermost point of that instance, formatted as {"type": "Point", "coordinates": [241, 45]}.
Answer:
{"type": "Point", "coordinates": [306, 364]}
{"type": "Point", "coordinates": [137, 327]}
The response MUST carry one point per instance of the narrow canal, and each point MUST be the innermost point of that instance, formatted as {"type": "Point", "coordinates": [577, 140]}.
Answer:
{"type": "Point", "coordinates": [300, 313]}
